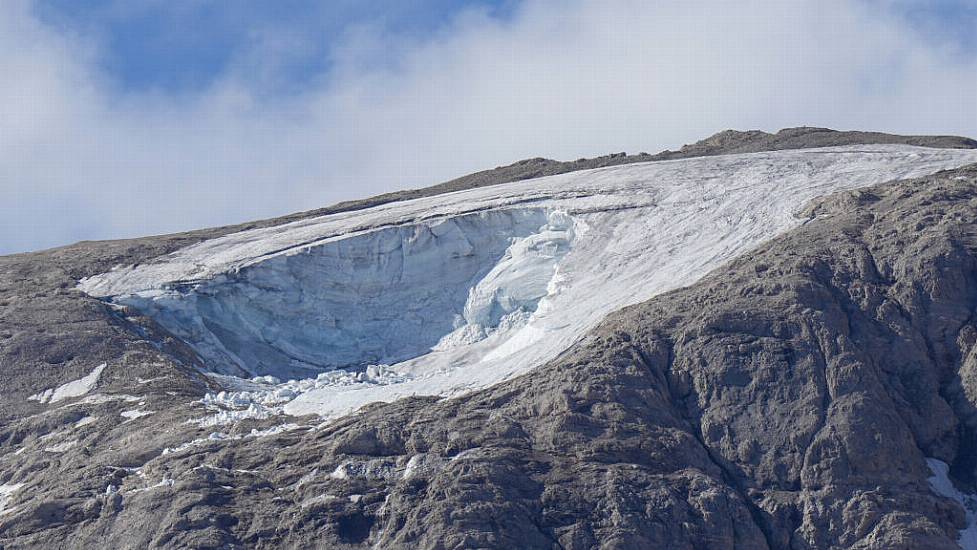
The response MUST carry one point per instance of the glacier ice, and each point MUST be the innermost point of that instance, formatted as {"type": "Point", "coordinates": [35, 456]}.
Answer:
{"type": "Point", "coordinates": [379, 297]}
{"type": "Point", "coordinates": [445, 294]}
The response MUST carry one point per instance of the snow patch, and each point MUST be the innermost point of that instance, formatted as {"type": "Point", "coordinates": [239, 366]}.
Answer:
{"type": "Point", "coordinates": [86, 420]}
{"type": "Point", "coordinates": [274, 430]}
{"type": "Point", "coordinates": [214, 436]}
{"type": "Point", "coordinates": [7, 491]}
{"type": "Point", "coordinates": [942, 485]}
{"type": "Point", "coordinates": [422, 465]}
{"type": "Point", "coordinates": [221, 436]}
{"type": "Point", "coordinates": [134, 414]}
{"type": "Point", "coordinates": [61, 447]}
{"type": "Point", "coordinates": [164, 482]}
{"type": "Point", "coordinates": [75, 388]}
{"type": "Point", "coordinates": [375, 469]}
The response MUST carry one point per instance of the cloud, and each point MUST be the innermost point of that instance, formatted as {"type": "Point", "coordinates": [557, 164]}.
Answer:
{"type": "Point", "coordinates": [80, 159]}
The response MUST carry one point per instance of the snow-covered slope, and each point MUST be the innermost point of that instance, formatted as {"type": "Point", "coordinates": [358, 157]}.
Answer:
{"type": "Point", "coordinates": [446, 294]}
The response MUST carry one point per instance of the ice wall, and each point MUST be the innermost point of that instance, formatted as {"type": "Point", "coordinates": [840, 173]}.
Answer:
{"type": "Point", "coordinates": [383, 296]}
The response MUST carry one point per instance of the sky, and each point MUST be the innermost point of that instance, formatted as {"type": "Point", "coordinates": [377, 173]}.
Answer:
{"type": "Point", "coordinates": [122, 118]}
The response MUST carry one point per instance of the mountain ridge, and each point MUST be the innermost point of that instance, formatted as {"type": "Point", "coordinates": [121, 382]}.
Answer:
{"type": "Point", "coordinates": [791, 398]}
{"type": "Point", "coordinates": [724, 142]}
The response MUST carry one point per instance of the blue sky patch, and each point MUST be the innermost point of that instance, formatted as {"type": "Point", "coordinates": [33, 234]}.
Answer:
{"type": "Point", "coordinates": [180, 47]}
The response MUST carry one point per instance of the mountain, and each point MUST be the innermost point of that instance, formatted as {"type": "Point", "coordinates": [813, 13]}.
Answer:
{"type": "Point", "coordinates": [758, 341]}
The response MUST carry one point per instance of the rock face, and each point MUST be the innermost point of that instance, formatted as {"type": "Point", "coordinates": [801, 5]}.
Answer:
{"type": "Point", "coordinates": [788, 400]}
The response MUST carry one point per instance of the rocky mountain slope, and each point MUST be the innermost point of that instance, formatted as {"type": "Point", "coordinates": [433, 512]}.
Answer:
{"type": "Point", "coordinates": [804, 395]}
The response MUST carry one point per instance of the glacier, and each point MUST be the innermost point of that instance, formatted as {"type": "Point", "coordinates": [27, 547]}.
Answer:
{"type": "Point", "coordinates": [451, 293]}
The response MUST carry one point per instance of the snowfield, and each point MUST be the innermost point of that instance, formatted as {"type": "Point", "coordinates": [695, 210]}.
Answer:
{"type": "Point", "coordinates": [451, 293]}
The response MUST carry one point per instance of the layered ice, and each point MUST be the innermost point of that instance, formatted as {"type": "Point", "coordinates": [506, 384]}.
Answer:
{"type": "Point", "coordinates": [381, 296]}
{"type": "Point", "coordinates": [463, 290]}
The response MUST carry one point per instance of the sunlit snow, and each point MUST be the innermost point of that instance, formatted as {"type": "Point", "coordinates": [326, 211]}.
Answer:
{"type": "Point", "coordinates": [7, 491]}
{"type": "Point", "coordinates": [75, 388]}
{"type": "Point", "coordinates": [942, 485]}
{"type": "Point", "coordinates": [133, 414]}
{"type": "Point", "coordinates": [442, 295]}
